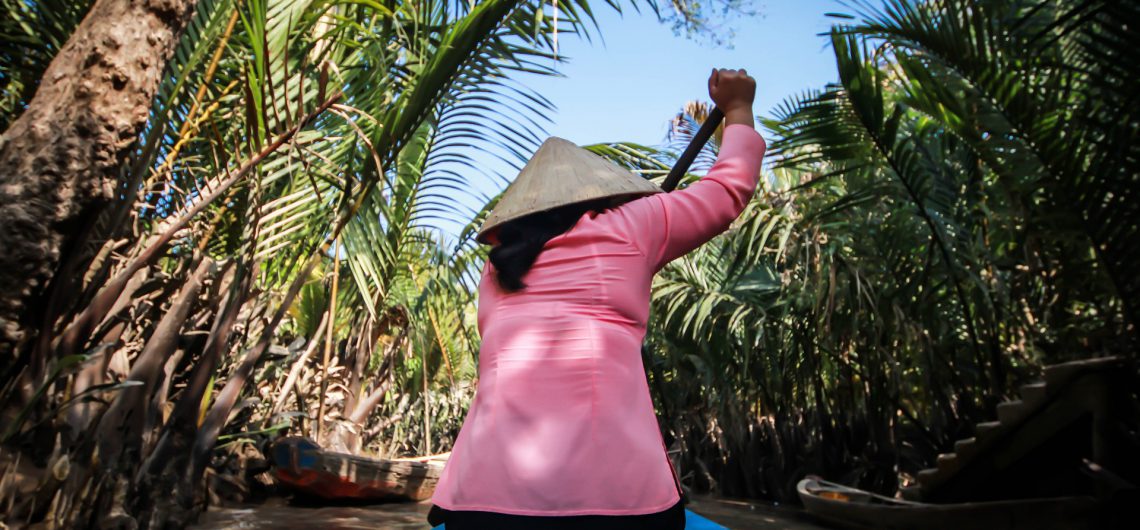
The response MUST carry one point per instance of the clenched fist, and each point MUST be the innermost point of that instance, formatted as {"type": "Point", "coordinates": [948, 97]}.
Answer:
{"type": "Point", "coordinates": [733, 92]}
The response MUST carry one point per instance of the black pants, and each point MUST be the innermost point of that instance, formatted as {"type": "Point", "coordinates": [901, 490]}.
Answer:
{"type": "Point", "coordinates": [671, 519]}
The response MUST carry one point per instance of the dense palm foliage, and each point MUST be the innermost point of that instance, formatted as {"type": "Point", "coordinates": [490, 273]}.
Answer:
{"type": "Point", "coordinates": [268, 261]}
{"type": "Point", "coordinates": [958, 210]}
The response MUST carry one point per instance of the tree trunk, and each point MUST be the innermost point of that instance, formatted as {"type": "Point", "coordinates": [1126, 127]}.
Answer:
{"type": "Point", "coordinates": [60, 159]}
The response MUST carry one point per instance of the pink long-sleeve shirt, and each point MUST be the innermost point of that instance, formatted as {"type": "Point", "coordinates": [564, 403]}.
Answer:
{"type": "Point", "coordinates": [562, 422]}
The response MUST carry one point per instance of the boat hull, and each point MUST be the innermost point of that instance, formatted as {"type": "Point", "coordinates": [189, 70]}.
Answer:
{"type": "Point", "coordinates": [852, 508]}
{"type": "Point", "coordinates": [301, 465]}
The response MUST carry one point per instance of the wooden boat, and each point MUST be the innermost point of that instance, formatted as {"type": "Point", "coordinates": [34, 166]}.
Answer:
{"type": "Point", "coordinates": [855, 508]}
{"type": "Point", "coordinates": [301, 465]}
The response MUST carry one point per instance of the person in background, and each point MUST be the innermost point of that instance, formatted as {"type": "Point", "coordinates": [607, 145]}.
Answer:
{"type": "Point", "coordinates": [561, 433]}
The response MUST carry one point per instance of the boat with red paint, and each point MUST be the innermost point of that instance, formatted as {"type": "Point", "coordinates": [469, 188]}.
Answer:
{"type": "Point", "coordinates": [301, 465]}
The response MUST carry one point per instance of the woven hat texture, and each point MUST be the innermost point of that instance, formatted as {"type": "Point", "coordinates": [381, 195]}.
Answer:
{"type": "Point", "coordinates": [561, 173]}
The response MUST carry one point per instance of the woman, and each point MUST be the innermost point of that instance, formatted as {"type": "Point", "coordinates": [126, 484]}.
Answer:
{"type": "Point", "coordinates": [562, 432]}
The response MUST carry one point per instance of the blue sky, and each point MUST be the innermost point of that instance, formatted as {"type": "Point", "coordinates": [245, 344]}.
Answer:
{"type": "Point", "coordinates": [629, 86]}
{"type": "Point", "coordinates": [635, 74]}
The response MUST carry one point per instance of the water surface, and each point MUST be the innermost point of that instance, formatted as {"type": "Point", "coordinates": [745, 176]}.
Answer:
{"type": "Point", "coordinates": [278, 514]}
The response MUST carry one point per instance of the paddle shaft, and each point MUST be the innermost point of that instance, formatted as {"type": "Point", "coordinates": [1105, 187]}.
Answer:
{"type": "Point", "coordinates": [695, 145]}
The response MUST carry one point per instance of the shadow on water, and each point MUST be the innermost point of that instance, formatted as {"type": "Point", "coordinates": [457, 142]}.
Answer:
{"type": "Point", "coordinates": [306, 514]}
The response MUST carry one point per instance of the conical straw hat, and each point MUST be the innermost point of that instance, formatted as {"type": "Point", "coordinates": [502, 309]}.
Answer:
{"type": "Point", "coordinates": [562, 173]}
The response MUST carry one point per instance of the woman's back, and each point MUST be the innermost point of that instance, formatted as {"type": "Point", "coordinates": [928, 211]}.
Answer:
{"type": "Point", "coordinates": [589, 273]}
{"type": "Point", "coordinates": [562, 423]}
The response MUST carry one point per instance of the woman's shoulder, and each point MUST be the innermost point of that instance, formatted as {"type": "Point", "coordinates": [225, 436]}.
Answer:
{"type": "Point", "coordinates": [632, 218]}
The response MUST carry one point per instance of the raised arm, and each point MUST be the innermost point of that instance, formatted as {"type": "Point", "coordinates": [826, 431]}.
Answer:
{"type": "Point", "coordinates": [669, 225]}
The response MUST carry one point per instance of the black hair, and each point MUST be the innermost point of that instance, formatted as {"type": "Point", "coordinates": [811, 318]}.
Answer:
{"type": "Point", "coordinates": [521, 240]}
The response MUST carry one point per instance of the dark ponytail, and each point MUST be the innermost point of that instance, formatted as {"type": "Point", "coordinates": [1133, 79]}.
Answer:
{"type": "Point", "coordinates": [521, 240]}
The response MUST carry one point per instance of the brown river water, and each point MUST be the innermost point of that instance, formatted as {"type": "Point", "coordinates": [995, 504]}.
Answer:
{"type": "Point", "coordinates": [279, 515]}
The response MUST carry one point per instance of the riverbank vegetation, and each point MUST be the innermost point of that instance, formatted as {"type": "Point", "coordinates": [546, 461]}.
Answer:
{"type": "Point", "coordinates": [955, 212]}
{"type": "Point", "coordinates": [258, 258]}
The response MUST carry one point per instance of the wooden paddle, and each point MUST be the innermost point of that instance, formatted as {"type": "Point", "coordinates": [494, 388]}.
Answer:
{"type": "Point", "coordinates": [695, 145]}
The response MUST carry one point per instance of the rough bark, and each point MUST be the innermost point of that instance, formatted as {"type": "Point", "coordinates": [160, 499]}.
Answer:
{"type": "Point", "coordinates": [61, 157]}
